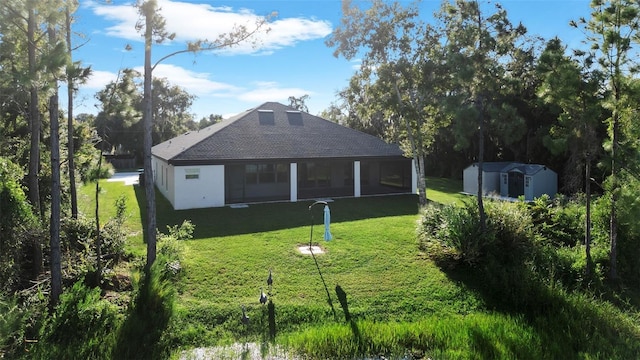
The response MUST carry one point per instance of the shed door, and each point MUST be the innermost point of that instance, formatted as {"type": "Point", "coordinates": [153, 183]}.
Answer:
{"type": "Point", "coordinates": [516, 184]}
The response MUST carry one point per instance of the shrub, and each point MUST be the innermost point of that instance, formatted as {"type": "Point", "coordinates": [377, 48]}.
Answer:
{"type": "Point", "coordinates": [83, 326]}
{"type": "Point", "coordinates": [557, 222]}
{"type": "Point", "coordinates": [13, 326]}
{"type": "Point", "coordinates": [16, 220]}
{"type": "Point", "coordinates": [452, 234]}
{"type": "Point", "coordinates": [113, 234]}
{"type": "Point", "coordinates": [143, 334]}
{"type": "Point", "coordinates": [93, 173]}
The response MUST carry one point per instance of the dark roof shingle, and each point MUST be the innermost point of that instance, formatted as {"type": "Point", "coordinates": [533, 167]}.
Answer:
{"type": "Point", "coordinates": [273, 131]}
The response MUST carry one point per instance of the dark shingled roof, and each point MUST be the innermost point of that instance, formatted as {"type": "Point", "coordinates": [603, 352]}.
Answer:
{"type": "Point", "coordinates": [273, 131]}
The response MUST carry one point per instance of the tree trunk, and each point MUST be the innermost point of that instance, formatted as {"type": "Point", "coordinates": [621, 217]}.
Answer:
{"type": "Point", "coordinates": [54, 241]}
{"type": "Point", "coordinates": [147, 125]}
{"type": "Point", "coordinates": [34, 117]}
{"type": "Point", "coordinates": [34, 152]}
{"type": "Point", "coordinates": [422, 182]}
{"type": "Point", "coordinates": [70, 130]}
{"type": "Point", "coordinates": [483, 217]}
{"type": "Point", "coordinates": [587, 220]}
{"type": "Point", "coordinates": [613, 219]}
{"type": "Point", "coordinates": [98, 234]}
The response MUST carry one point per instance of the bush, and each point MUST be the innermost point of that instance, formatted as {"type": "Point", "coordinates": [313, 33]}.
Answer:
{"type": "Point", "coordinates": [13, 326]}
{"type": "Point", "coordinates": [16, 220]}
{"type": "Point", "coordinates": [452, 234]}
{"type": "Point", "coordinates": [83, 326]}
{"type": "Point", "coordinates": [113, 235]}
{"type": "Point", "coordinates": [557, 223]}
{"type": "Point", "coordinates": [93, 173]}
{"type": "Point", "coordinates": [144, 334]}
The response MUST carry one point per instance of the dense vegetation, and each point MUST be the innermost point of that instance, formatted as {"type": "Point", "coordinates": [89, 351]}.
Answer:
{"type": "Point", "coordinates": [453, 278]}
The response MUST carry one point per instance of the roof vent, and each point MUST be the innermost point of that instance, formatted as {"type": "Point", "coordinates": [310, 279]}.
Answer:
{"type": "Point", "coordinates": [266, 117]}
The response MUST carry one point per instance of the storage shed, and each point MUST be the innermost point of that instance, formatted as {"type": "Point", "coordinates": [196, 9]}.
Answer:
{"type": "Point", "coordinates": [511, 180]}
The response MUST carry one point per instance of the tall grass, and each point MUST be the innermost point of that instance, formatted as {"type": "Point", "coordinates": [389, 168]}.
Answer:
{"type": "Point", "coordinates": [474, 336]}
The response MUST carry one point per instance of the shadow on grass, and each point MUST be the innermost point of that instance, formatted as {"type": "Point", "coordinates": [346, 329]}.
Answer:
{"type": "Point", "coordinates": [342, 298]}
{"type": "Point", "coordinates": [146, 320]}
{"type": "Point", "coordinates": [570, 325]}
{"type": "Point", "coordinates": [226, 221]}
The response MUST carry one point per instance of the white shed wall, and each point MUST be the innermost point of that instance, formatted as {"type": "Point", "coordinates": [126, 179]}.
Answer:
{"type": "Point", "coordinates": [544, 182]}
{"type": "Point", "coordinates": [490, 181]}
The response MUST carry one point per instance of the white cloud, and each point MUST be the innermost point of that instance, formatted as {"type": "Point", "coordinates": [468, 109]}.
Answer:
{"type": "Point", "coordinates": [99, 79]}
{"type": "Point", "coordinates": [193, 82]}
{"type": "Point", "coordinates": [202, 21]}
{"type": "Point", "coordinates": [271, 91]}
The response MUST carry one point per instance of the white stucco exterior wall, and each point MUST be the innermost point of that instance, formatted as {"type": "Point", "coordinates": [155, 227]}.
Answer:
{"type": "Point", "coordinates": [162, 173]}
{"type": "Point", "coordinates": [207, 190]}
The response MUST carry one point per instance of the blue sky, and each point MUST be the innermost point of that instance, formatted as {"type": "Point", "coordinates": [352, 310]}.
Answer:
{"type": "Point", "coordinates": [292, 59]}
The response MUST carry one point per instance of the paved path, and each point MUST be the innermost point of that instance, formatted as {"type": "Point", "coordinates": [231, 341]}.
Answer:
{"type": "Point", "coordinates": [129, 178]}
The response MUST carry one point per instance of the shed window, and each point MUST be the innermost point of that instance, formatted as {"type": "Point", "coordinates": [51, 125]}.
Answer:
{"type": "Point", "coordinates": [191, 174]}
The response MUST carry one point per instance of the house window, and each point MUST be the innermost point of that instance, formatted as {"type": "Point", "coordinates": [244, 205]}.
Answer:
{"type": "Point", "coordinates": [192, 174]}
{"type": "Point", "coordinates": [266, 173]}
{"type": "Point", "coordinates": [504, 179]}
{"type": "Point", "coordinates": [282, 173]}
{"type": "Point", "coordinates": [251, 174]}
{"type": "Point", "coordinates": [527, 179]}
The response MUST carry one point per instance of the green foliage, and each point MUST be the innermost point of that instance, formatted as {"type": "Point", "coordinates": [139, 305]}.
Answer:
{"type": "Point", "coordinates": [451, 234]}
{"type": "Point", "coordinates": [144, 333]}
{"type": "Point", "coordinates": [113, 234]}
{"type": "Point", "coordinates": [82, 326]}
{"type": "Point", "coordinates": [629, 231]}
{"type": "Point", "coordinates": [556, 223]}
{"type": "Point", "coordinates": [13, 326]}
{"type": "Point", "coordinates": [16, 220]}
{"type": "Point", "coordinates": [94, 173]}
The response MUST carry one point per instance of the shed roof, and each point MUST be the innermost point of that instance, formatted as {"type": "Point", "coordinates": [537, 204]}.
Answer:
{"type": "Point", "coordinates": [272, 131]}
{"type": "Point", "coordinates": [508, 166]}
{"type": "Point", "coordinates": [526, 169]}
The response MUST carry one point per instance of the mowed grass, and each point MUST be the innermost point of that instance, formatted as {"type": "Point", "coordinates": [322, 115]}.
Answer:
{"type": "Point", "coordinates": [372, 258]}
{"type": "Point", "coordinates": [371, 293]}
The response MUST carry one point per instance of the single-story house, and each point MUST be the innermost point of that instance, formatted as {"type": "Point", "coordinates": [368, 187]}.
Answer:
{"type": "Point", "coordinates": [276, 153]}
{"type": "Point", "coordinates": [511, 180]}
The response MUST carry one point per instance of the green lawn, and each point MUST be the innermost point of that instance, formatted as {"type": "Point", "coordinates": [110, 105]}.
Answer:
{"type": "Point", "coordinates": [393, 294]}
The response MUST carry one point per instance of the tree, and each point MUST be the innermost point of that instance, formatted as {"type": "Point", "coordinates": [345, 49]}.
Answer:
{"type": "Point", "coordinates": [155, 32]}
{"type": "Point", "coordinates": [75, 74]}
{"type": "Point", "coordinates": [34, 20]}
{"type": "Point", "coordinates": [575, 89]}
{"type": "Point", "coordinates": [299, 103]}
{"type": "Point", "coordinates": [611, 31]}
{"type": "Point", "coordinates": [56, 61]}
{"type": "Point", "coordinates": [118, 123]}
{"type": "Point", "coordinates": [170, 111]}
{"type": "Point", "coordinates": [479, 49]}
{"type": "Point", "coordinates": [210, 120]}
{"type": "Point", "coordinates": [400, 55]}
